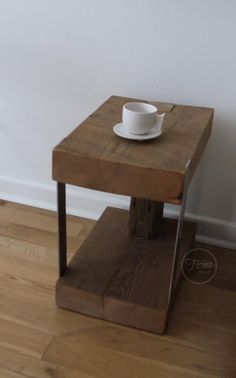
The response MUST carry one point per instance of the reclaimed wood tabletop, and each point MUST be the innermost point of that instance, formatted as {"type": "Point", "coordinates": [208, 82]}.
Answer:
{"type": "Point", "coordinates": [92, 156]}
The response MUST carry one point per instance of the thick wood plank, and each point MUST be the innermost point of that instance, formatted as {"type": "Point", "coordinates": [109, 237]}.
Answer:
{"type": "Point", "coordinates": [93, 157]}
{"type": "Point", "coordinates": [121, 278]}
{"type": "Point", "coordinates": [143, 274]}
{"type": "Point", "coordinates": [89, 272]}
{"type": "Point", "coordinates": [162, 106]}
{"type": "Point", "coordinates": [138, 292]}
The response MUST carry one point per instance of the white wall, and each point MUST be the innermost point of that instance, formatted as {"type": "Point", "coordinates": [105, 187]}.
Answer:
{"type": "Point", "coordinates": [61, 58]}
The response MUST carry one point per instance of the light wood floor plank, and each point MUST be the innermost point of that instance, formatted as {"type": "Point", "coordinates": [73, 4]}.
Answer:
{"type": "Point", "coordinates": [225, 277]}
{"type": "Point", "coordinates": [5, 373]}
{"type": "Point", "coordinates": [40, 221]}
{"type": "Point", "coordinates": [105, 354]}
{"type": "Point", "coordinates": [27, 303]}
{"type": "Point", "coordinates": [201, 336]}
{"type": "Point", "coordinates": [207, 305]}
{"type": "Point", "coordinates": [26, 340]}
{"type": "Point", "coordinates": [12, 362]}
{"type": "Point", "coordinates": [31, 261]}
{"type": "Point", "coordinates": [31, 209]}
{"type": "Point", "coordinates": [181, 354]}
{"type": "Point", "coordinates": [3, 226]}
{"type": "Point", "coordinates": [43, 238]}
{"type": "Point", "coordinates": [28, 260]}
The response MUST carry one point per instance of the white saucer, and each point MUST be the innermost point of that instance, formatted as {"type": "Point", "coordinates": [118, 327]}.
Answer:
{"type": "Point", "coordinates": [120, 131]}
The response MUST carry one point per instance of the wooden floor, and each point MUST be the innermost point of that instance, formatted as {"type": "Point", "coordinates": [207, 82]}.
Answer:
{"type": "Point", "coordinates": [39, 340]}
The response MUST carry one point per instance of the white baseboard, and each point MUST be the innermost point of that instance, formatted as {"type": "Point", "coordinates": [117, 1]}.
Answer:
{"type": "Point", "coordinates": [81, 202]}
{"type": "Point", "coordinates": [90, 204]}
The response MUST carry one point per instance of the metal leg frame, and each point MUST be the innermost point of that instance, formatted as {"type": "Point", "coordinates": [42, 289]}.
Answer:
{"type": "Point", "coordinates": [178, 239]}
{"type": "Point", "coordinates": [61, 204]}
{"type": "Point", "coordinates": [61, 207]}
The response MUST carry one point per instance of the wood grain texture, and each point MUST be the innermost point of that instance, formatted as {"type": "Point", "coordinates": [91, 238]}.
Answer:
{"type": "Point", "coordinates": [43, 238]}
{"type": "Point", "coordinates": [93, 157]}
{"type": "Point", "coordinates": [82, 222]}
{"type": "Point", "coordinates": [3, 226]}
{"type": "Point", "coordinates": [120, 278]}
{"type": "Point", "coordinates": [23, 339]}
{"type": "Point", "coordinates": [199, 343]}
{"type": "Point", "coordinates": [212, 305]}
{"type": "Point", "coordinates": [28, 259]}
{"type": "Point", "coordinates": [37, 220]}
{"type": "Point", "coordinates": [19, 365]}
{"type": "Point", "coordinates": [104, 343]}
{"type": "Point", "coordinates": [145, 218]}
{"type": "Point", "coordinates": [226, 261]}
{"type": "Point", "coordinates": [115, 356]}
{"type": "Point", "coordinates": [29, 303]}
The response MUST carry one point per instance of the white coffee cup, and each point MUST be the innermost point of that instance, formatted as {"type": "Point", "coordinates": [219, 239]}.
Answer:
{"type": "Point", "coordinates": [139, 118]}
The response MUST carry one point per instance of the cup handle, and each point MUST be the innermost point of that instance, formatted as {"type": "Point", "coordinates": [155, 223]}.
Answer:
{"type": "Point", "coordinates": [160, 120]}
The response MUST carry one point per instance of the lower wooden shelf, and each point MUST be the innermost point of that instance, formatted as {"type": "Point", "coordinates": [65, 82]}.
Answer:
{"type": "Point", "coordinates": [120, 278]}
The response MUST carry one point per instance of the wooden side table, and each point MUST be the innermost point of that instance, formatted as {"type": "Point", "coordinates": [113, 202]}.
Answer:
{"type": "Point", "coordinates": [128, 268]}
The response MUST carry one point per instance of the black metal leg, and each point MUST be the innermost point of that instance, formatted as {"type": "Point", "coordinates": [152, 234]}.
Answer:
{"type": "Point", "coordinates": [61, 207]}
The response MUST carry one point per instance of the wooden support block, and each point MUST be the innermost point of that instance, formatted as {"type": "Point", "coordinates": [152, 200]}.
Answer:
{"type": "Point", "coordinates": [120, 278]}
{"type": "Point", "coordinates": [145, 217]}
